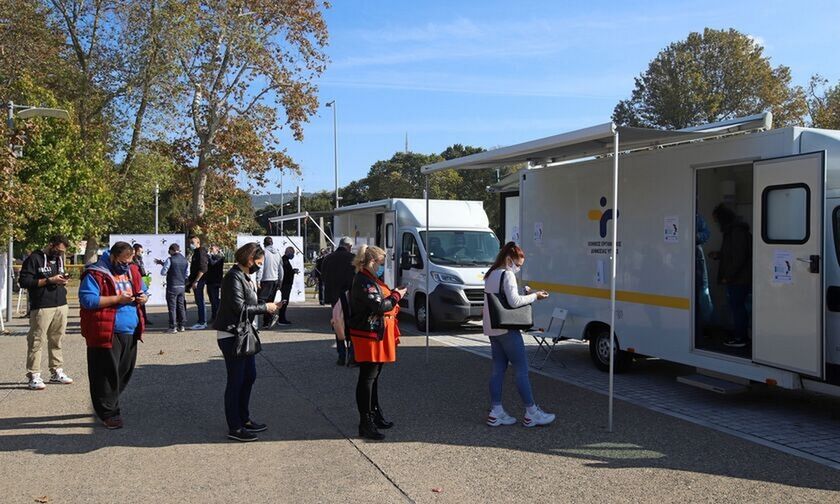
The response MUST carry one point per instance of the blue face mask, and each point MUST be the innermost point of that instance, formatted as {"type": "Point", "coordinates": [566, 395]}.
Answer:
{"type": "Point", "coordinates": [380, 271]}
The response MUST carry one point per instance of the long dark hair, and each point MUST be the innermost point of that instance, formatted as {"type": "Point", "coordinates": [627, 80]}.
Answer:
{"type": "Point", "coordinates": [510, 251]}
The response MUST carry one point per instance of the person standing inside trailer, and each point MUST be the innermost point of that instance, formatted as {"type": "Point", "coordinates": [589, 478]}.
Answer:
{"type": "Point", "coordinates": [735, 270]}
{"type": "Point", "coordinates": [506, 345]}
{"type": "Point", "coordinates": [375, 332]}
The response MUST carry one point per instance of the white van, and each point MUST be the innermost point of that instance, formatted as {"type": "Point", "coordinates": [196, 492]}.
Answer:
{"type": "Point", "coordinates": [784, 183]}
{"type": "Point", "coordinates": [461, 247]}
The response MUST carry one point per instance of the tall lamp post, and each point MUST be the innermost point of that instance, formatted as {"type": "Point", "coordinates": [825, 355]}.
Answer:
{"type": "Point", "coordinates": [334, 108]}
{"type": "Point", "coordinates": [22, 112]}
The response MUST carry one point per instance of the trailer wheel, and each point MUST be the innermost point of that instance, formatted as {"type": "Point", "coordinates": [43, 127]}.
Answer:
{"type": "Point", "coordinates": [599, 351]}
{"type": "Point", "coordinates": [420, 315]}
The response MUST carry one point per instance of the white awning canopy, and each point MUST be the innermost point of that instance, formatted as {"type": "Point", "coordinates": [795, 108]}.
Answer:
{"type": "Point", "coordinates": [595, 141]}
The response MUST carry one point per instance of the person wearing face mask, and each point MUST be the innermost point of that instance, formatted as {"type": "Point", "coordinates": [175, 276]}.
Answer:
{"type": "Point", "coordinates": [111, 295]}
{"type": "Point", "coordinates": [199, 264]}
{"type": "Point", "coordinates": [239, 294]}
{"type": "Point", "coordinates": [375, 333]}
{"type": "Point", "coordinates": [507, 346]}
{"type": "Point", "coordinates": [288, 280]}
{"type": "Point", "coordinates": [43, 275]}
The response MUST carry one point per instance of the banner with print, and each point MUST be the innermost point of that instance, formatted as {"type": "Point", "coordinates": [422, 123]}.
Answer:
{"type": "Point", "coordinates": [280, 244]}
{"type": "Point", "coordinates": [155, 247]}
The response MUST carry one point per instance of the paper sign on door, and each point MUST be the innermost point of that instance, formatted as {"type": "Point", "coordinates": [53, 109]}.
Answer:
{"type": "Point", "coordinates": [782, 267]}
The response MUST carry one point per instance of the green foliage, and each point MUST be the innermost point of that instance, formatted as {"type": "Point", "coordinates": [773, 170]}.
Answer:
{"type": "Point", "coordinates": [68, 179]}
{"type": "Point", "coordinates": [709, 77]}
{"type": "Point", "coordinates": [824, 103]}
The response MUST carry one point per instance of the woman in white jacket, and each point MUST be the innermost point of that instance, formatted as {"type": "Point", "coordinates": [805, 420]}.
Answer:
{"type": "Point", "coordinates": [507, 345]}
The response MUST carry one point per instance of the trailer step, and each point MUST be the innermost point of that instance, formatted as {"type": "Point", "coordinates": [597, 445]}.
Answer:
{"type": "Point", "coordinates": [713, 384]}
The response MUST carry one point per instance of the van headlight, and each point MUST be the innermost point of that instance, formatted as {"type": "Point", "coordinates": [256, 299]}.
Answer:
{"type": "Point", "coordinates": [446, 278]}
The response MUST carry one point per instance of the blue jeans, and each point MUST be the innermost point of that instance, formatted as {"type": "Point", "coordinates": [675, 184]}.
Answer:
{"type": "Point", "coordinates": [199, 302]}
{"type": "Point", "coordinates": [241, 375]}
{"type": "Point", "coordinates": [509, 348]}
{"type": "Point", "coordinates": [737, 295]}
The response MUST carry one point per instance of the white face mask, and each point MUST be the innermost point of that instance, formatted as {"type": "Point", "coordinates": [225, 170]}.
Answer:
{"type": "Point", "coordinates": [513, 267]}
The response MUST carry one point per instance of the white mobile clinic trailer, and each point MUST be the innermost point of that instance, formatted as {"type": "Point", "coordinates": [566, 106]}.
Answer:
{"type": "Point", "coordinates": [460, 249]}
{"type": "Point", "coordinates": [784, 183]}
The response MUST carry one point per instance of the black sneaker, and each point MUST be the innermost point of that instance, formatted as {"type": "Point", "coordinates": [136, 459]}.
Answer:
{"type": "Point", "coordinates": [341, 361]}
{"type": "Point", "coordinates": [736, 343]}
{"type": "Point", "coordinates": [283, 322]}
{"type": "Point", "coordinates": [242, 435]}
{"type": "Point", "coordinates": [251, 426]}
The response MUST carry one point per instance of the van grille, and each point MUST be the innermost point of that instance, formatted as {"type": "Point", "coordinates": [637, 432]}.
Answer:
{"type": "Point", "coordinates": [475, 295]}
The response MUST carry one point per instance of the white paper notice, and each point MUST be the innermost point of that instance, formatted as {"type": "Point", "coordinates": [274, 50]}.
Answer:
{"type": "Point", "coordinates": [600, 275]}
{"type": "Point", "coordinates": [672, 229]}
{"type": "Point", "coordinates": [782, 267]}
{"type": "Point", "coordinates": [514, 234]}
{"type": "Point", "coordinates": [538, 232]}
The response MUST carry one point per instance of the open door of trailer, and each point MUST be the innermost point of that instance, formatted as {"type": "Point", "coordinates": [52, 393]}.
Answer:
{"type": "Point", "coordinates": [788, 255]}
{"type": "Point", "coordinates": [389, 232]}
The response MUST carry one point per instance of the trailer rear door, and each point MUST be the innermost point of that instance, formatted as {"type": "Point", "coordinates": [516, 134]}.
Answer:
{"type": "Point", "coordinates": [788, 255]}
{"type": "Point", "coordinates": [389, 224]}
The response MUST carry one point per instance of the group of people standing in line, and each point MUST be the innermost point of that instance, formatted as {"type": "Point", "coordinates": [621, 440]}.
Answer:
{"type": "Point", "coordinates": [113, 296]}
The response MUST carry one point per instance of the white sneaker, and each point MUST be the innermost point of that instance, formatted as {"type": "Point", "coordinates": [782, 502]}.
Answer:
{"type": "Point", "coordinates": [60, 377]}
{"type": "Point", "coordinates": [199, 327]}
{"type": "Point", "coordinates": [496, 419]}
{"type": "Point", "coordinates": [36, 383]}
{"type": "Point", "coordinates": [537, 417]}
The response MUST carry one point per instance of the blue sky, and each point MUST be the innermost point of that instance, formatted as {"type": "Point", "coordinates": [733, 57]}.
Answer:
{"type": "Point", "coordinates": [491, 73]}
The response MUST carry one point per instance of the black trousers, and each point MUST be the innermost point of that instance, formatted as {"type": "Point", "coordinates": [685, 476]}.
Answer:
{"type": "Point", "coordinates": [266, 294]}
{"type": "Point", "coordinates": [285, 294]}
{"type": "Point", "coordinates": [176, 303]}
{"type": "Point", "coordinates": [367, 395]}
{"type": "Point", "coordinates": [109, 370]}
{"type": "Point", "coordinates": [214, 293]}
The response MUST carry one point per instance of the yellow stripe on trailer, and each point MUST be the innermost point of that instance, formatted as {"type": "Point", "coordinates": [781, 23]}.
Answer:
{"type": "Point", "coordinates": [644, 298]}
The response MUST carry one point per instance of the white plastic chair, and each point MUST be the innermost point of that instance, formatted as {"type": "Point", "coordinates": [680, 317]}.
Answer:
{"type": "Point", "coordinates": [548, 338]}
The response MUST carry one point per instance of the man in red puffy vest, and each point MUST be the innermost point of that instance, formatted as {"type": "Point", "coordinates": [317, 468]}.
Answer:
{"type": "Point", "coordinates": [111, 296]}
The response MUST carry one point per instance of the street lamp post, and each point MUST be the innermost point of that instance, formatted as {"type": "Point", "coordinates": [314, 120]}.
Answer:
{"type": "Point", "coordinates": [334, 107]}
{"type": "Point", "coordinates": [23, 112]}
{"type": "Point", "coordinates": [298, 211]}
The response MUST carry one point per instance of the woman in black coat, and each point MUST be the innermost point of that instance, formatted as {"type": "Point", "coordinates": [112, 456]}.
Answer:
{"type": "Point", "coordinates": [240, 293]}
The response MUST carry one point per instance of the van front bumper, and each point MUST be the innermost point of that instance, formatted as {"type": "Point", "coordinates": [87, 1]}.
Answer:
{"type": "Point", "coordinates": [449, 305]}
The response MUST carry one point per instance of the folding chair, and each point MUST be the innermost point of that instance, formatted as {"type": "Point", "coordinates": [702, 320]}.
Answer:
{"type": "Point", "coordinates": [548, 339]}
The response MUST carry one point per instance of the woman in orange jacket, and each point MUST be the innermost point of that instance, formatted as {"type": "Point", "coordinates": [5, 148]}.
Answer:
{"type": "Point", "coordinates": [375, 335]}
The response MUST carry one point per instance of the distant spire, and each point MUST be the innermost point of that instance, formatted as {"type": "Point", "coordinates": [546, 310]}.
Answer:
{"type": "Point", "coordinates": [406, 142]}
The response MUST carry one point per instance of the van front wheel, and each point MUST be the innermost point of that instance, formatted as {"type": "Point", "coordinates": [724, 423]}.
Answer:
{"type": "Point", "coordinates": [599, 351]}
{"type": "Point", "coordinates": [420, 315]}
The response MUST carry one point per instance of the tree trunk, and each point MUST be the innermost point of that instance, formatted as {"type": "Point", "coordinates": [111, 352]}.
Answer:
{"type": "Point", "coordinates": [91, 247]}
{"type": "Point", "coordinates": [138, 126]}
{"type": "Point", "coordinates": [199, 185]}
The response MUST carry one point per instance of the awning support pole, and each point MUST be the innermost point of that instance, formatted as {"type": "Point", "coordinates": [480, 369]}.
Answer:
{"type": "Point", "coordinates": [613, 277]}
{"type": "Point", "coordinates": [428, 267]}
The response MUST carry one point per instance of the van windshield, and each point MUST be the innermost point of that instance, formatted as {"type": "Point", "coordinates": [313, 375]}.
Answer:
{"type": "Point", "coordinates": [461, 248]}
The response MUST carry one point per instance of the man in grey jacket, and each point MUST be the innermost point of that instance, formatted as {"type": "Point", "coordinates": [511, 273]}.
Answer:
{"type": "Point", "coordinates": [271, 275]}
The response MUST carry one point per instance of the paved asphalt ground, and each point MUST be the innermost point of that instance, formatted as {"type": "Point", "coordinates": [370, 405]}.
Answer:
{"type": "Point", "coordinates": [173, 447]}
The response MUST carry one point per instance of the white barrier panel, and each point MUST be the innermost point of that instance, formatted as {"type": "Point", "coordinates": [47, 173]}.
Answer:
{"type": "Point", "coordinates": [280, 243]}
{"type": "Point", "coordinates": [154, 247]}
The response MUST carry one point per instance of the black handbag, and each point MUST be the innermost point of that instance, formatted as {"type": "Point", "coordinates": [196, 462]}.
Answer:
{"type": "Point", "coordinates": [502, 316]}
{"type": "Point", "coordinates": [247, 337]}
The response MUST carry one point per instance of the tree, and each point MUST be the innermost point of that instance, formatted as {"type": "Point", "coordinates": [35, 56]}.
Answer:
{"type": "Point", "coordinates": [400, 177]}
{"type": "Point", "coordinates": [709, 77]}
{"type": "Point", "coordinates": [235, 57]}
{"type": "Point", "coordinates": [67, 180]}
{"type": "Point", "coordinates": [824, 103]}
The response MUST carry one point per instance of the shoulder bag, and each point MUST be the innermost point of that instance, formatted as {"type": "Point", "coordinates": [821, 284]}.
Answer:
{"type": "Point", "coordinates": [247, 336]}
{"type": "Point", "coordinates": [502, 316]}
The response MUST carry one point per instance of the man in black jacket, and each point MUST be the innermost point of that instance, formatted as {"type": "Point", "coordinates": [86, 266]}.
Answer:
{"type": "Point", "coordinates": [43, 275]}
{"type": "Point", "coordinates": [735, 270]}
{"type": "Point", "coordinates": [199, 264]}
{"type": "Point", "coordinates": [289, 273]}
{"type": "Point", "coordinates": [338, 272]}
{"type": "Point", "coordinates": [215, 272]}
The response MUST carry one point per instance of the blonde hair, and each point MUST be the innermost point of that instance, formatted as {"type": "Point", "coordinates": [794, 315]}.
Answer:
{"type": "Point", "coordinates": [365, 255]}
